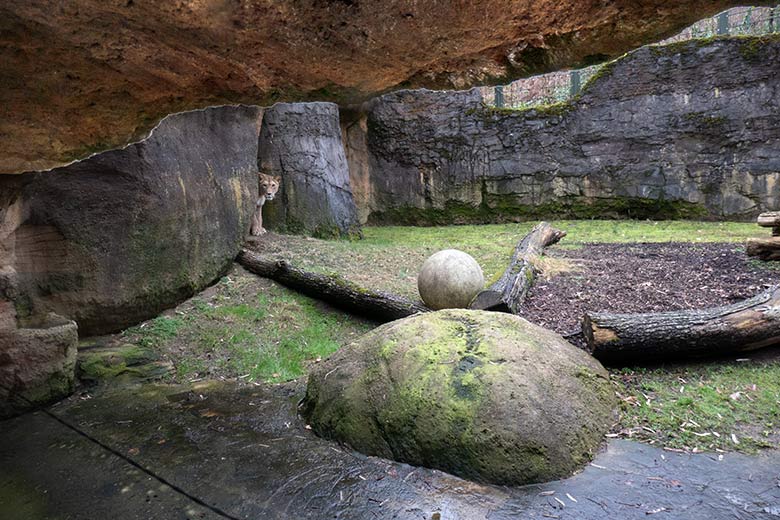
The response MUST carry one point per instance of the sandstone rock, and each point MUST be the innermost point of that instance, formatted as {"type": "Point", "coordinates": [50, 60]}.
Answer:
{"type": "Point", "coordinates": [486, 396]}
{"type": "Point", "coordinates": [116, 238]}
{"type": "Point", "coordinates": [689, 130]}
{"type": "Point", "coordinates": [37, 363]}
{"type": "Point", "coordinates": [301, 142]}
{"type": "Point", "coordinates": [89, 75]}
{"type": "Point", "coordinates": [449, 279]}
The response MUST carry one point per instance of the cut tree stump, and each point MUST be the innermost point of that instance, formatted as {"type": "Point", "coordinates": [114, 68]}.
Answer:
{"type": "Point", "coordinates": [510, 290]}
{"type": "Point", "coordinates": [377, 305]}
{"type": "Point", "coordinates": [626, 338]}
{"type": "Point", "coordinates": [770, 220]}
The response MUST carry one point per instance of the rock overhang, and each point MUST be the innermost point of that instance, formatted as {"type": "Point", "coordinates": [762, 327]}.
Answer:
{"type": "Point", "coordinates": [89, 75]}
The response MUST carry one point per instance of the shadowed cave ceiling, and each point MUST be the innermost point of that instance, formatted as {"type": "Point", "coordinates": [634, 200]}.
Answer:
{"type": "Point", "coordinates": [83, 76]}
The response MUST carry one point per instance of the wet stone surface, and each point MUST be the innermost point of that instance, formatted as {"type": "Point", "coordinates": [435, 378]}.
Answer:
{"type": "Point", "coordinates": [244, 451]}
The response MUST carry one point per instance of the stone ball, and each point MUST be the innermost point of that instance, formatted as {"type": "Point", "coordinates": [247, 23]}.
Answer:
{"type": "Point", "coordinates": [483, 395]}
{"type": "Point", "coordinates": [449, 279]}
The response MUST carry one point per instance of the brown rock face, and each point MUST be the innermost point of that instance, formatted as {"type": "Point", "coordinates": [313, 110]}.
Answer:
{"type": "Point", "coordinates": [37, 362]}
{"type": "Point", "coordinates": [88, 75]}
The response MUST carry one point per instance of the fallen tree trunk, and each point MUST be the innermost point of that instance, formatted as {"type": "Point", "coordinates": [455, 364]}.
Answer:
{"type": "Point", "coordinates": [377, 305]}
{"type": "Point", "coordinates": [764, 248]}
{"type": "Point", "coordinates": [508, 292]}
{"type": "Point", "coordinates": [743, 326]}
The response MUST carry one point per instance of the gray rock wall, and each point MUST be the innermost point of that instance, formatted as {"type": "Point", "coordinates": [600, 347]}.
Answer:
{"type": "Point", "coordinates": [120, 236]}
{"type": "Point", "coordinates": [301, 142]}
{"type": "Point", "coordinates": [687, 130]}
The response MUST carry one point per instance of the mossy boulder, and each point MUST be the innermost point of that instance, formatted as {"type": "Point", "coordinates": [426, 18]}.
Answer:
{"type": "Point", "coordinates": [486, 396]}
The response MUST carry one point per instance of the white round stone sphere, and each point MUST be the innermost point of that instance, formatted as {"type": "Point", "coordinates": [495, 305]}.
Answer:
{"type": "Point", "coordinates": [449, 279]}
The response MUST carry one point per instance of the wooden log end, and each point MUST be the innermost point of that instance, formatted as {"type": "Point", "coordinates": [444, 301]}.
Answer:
{"type": "Point", "coordinates": [489, 300]}
{"type": "Point", "coordinates": [770, 219]}
{"type": "Point", "coordinates": [764, 248]}
{"type": "Point", "coordinates": [596, 336]}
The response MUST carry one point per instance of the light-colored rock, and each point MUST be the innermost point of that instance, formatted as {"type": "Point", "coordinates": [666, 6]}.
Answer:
{"type": "Point", "coordinates": [449, 279]}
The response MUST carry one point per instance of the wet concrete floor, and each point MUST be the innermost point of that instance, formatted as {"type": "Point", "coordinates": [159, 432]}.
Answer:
{"type": "Point", "coordinates": [215, 451]}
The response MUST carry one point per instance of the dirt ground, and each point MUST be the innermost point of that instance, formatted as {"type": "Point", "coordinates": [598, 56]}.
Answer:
{"type": "Point", "coordinates": [644, 278]}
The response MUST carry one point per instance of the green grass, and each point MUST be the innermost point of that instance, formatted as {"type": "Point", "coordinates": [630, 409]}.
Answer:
{"type": "Point", "coordinates": [248, 328]}
{"type": "Point", "coordinates": [702, 407]}
{"type": "Point", "coordinates": [153, 333]}
{"type": "Point", "coordinates": [579, 232]}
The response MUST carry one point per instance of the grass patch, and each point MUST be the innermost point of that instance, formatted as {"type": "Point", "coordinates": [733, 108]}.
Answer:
{"type": "Point", "coordinates": [579, 232]}
{"type": "Point", "coordinates": [702, 407]}
{"type": "Point", "coordinates": [247, 328]}
{"type": "Point", "coordinates": [154, 332]}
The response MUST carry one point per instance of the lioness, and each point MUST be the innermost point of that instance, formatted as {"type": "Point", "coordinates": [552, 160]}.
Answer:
{"type": "Point", "coordinates": [268, 187]}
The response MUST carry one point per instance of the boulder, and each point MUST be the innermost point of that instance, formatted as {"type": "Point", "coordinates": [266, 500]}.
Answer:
{"type": "Point", "coordinates": [486, 396]}
{"type": "Point", "coordinates": [449, 279]}
{"type": "Point", "coordinates": [116, 238]}
{"type": "Point", "coordinates": [37, 363]}
{"type": "Point", "coordinates": [301, 143]}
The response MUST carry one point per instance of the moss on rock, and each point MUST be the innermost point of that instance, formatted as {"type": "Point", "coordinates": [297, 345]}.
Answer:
{"type": "Point", "coordinates": [133, 361]}
{"type": "Point", "coordinates": [499, 208]}
{"type": "Point", "coordinates": [486, 396]}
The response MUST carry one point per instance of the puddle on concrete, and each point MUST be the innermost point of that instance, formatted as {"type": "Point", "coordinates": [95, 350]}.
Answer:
{"type": "Point", "coordinates": [245, 451]}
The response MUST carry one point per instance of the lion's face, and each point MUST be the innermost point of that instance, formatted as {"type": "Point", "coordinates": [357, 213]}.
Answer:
{"type": "Point", "coordinates": [269, 186]}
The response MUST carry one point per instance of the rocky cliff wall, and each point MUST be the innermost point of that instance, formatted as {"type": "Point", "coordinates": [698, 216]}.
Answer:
{"type": "Point", "coordinates": [687, 130]}
{"type": "Point", "coordinates": [116, 238]}
{"type": "Point", "coordinates": [301, 143]}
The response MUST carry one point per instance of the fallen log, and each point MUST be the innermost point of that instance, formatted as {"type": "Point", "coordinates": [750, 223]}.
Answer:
{"type": "Point", "coordinates": [377, 305]}
{"type": "Point", "coordinates": [626, 338]}
{"type": "Point", "coordinates": [510, 290]}
{"type": "Point", "coordinates": [764, 248]}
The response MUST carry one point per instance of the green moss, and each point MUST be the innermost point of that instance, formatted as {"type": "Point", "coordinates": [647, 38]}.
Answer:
{"type": "Point", "coordinates": [684, 45]}
{"type": "Point", "coordinates": [326, 231]}
{"type": "Point", "coordinates": [330, 231]}
{"type": "Point", "coordinates": [751, 46]}
{"type": "Point", "coordinates": [428, 392]}
{"type": "Point", "coordinates": [704, 120]}
{"type": "Point", "coordinates": [503, 208]}
{"type": "Point", "coordinates": [490, 114]}
{"type": "Point", "coordinates": [603, 72]}
{"type": "Point", "coordinates": [85, 151]}
{"type": "Point", "coordinates": [109, 363]}
{"type": "Point", "coordinates": [20, 500]}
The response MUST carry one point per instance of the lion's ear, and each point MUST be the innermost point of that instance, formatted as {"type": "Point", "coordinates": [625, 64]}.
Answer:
{"type": "Point", "coordinates": [278, 179]}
